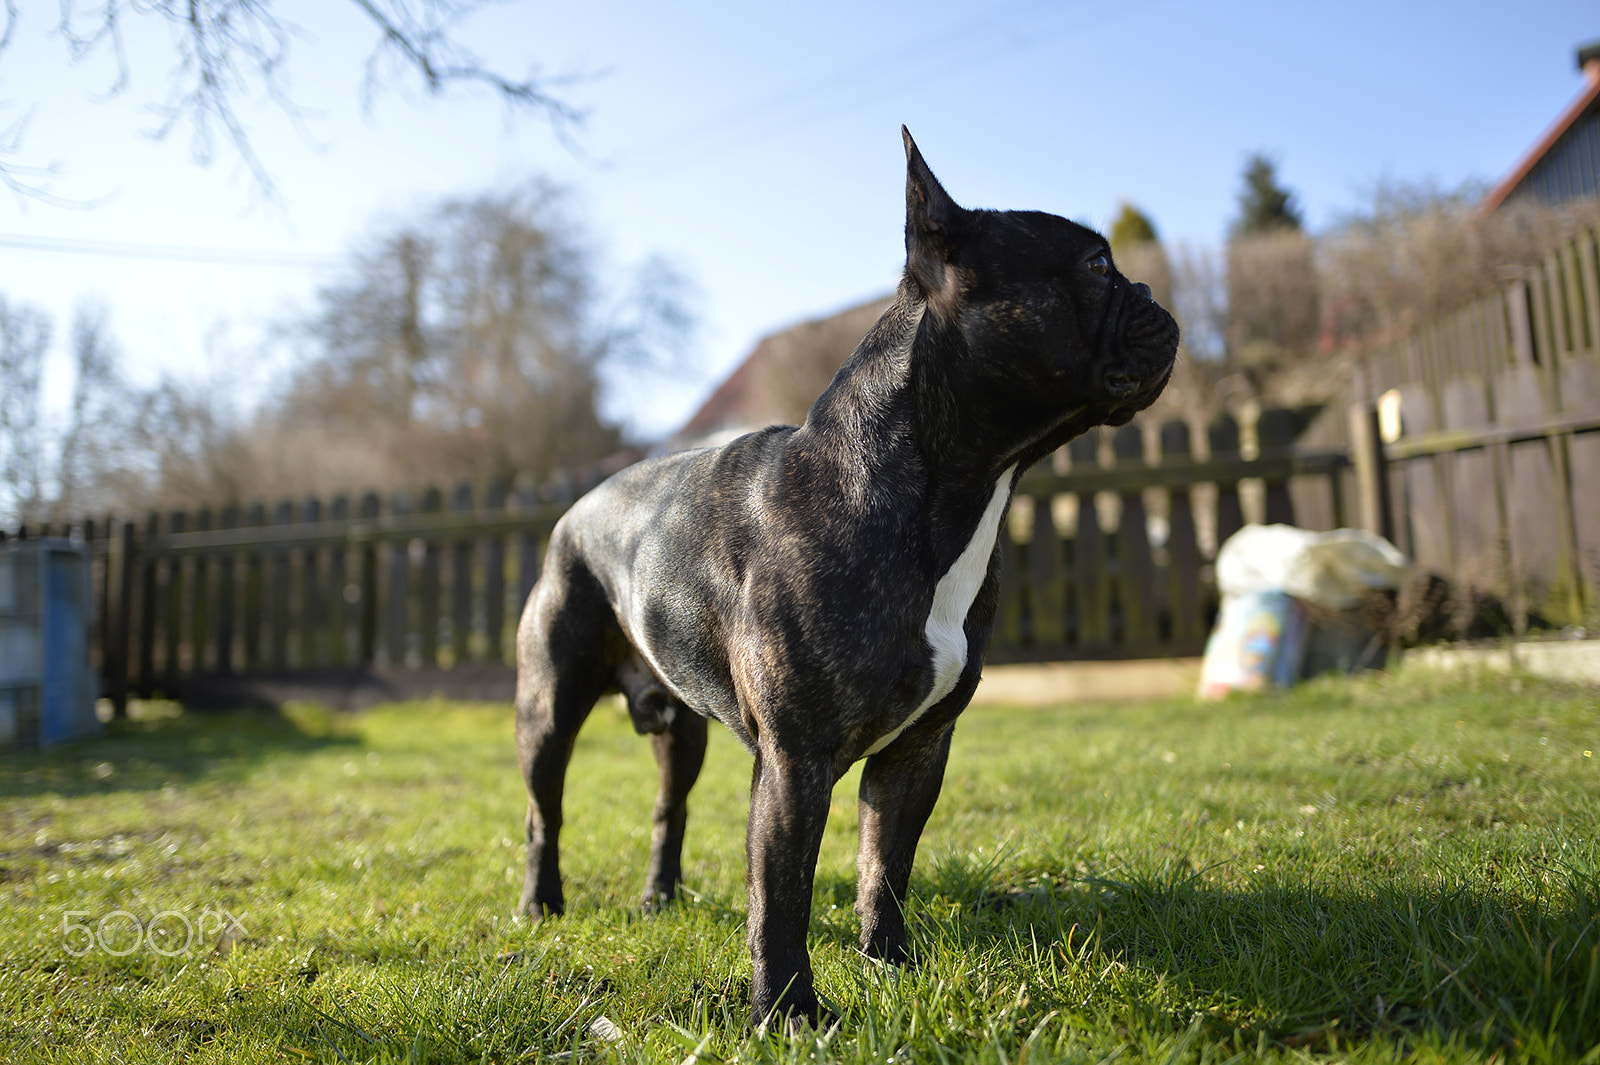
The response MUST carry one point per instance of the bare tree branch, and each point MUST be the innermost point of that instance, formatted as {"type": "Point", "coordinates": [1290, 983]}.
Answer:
{"type": "Point", "coordinates": [428, 47]}
{"type": "Point", "coordinates": [227, 49]}
{"type": "Point", "coordinates": [24, 338]}
{"type": "Point", "coordinates": [11, 24]}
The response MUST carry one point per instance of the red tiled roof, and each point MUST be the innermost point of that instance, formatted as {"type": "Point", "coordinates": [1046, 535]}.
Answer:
{"type": "Point", "coordinates": [1590, 94]}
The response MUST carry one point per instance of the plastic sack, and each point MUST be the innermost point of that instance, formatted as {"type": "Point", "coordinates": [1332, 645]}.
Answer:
{"type": "Point", "coordinates": [1332, 569]}
{"type": "Point", "coordinates": [1266, 574]}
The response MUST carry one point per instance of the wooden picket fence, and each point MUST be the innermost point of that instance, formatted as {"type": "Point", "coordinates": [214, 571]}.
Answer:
{"type": "Point", "coordinates": [1111, 544]}
{"type": "Point", "coordinates": [210, 607]}
{"type": "Point", "coordinates": [1492, 439]}
{"type": "Point", "coordinates": [1108, 554]}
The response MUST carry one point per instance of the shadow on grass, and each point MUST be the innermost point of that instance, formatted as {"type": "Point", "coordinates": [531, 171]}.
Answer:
{"type": "Point", "coordinates": [1313, 965]}
{"type": "Point", "coordinates": [168, 747]}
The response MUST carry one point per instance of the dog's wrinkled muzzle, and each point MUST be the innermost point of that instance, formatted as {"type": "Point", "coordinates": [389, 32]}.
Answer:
{"type": "Point", "coordinates": [1136, 348]}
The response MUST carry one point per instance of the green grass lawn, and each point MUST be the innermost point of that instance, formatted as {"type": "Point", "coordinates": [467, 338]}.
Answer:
{"type": "Point", "coordinates": [1375, 869]}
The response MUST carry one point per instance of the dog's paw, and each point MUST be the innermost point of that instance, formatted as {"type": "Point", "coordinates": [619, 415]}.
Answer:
{"type": "Point", "coordinates": [799, 1023]}
{"type": "Point", "coordinates": [885, 951]}
{"type": "Point", "coordinates": [823, 1024]}
{"type": "Point", "coordinates": [655, 902]}
{"type": "Point", "coordinates": [798, 1012]}
{"type": "Point", "coordinates": [533, 909]}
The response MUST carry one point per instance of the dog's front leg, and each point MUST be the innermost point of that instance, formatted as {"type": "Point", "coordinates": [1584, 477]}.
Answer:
{"type": "Point", "coordinates": [899, 786]}
{"type": "Point", "coordinates": [788, 810]}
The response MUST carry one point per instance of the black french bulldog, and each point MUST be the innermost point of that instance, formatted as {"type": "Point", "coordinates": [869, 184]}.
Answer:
{"type": "Point", "coordinates": [827, 592]}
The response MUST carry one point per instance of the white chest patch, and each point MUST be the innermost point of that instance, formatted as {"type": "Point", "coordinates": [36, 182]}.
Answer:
{"type": "Point", "coordinates": [945, 628]}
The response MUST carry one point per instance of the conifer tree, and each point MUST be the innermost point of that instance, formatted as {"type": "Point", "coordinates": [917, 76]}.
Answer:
{"type": "Point", "coordinates": [1264, 205]}
{"type": "Point", "coordinates": [1131, 228]}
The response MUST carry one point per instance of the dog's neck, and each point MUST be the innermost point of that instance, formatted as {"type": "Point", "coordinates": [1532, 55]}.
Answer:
{"type": "Point", "coordinates": [901, 437]}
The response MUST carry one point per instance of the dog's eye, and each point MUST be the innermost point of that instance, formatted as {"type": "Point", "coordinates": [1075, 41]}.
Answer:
{"type": "Point", "coordinates": [1100, 265]}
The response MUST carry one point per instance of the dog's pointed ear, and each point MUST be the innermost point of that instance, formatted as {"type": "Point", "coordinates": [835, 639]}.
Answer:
{"type": "Point", "coordinates": [933, 223]}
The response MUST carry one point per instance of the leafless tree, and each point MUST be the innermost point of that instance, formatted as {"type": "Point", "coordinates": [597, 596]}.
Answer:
{"type": "Point", "coordinates": [24, 339]}
{"type": "Point", "coordinates": [59, 465]}
{"type": "Point", "coordinates": [184, 450]}
{"type": "Point", "coordinates": [94, 441]}
{"type": "Point", "coordinates": [225, 51]}
{"type": "Point", "coordinates": [1274, 306]}
{"type": "Point", "coordinates": [1415, 252]}
{"type": "Point", "coordinates": [467, 344]}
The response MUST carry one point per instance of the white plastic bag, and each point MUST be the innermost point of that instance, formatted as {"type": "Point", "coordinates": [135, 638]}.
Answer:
{"type": "Point", "coordinates": [1332, 569]}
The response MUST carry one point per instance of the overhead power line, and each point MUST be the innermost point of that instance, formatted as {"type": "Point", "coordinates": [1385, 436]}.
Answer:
{"type": "Point", "coordinates": [172, 252]}
{"type": "Point", "coordinates": [1001, 33]}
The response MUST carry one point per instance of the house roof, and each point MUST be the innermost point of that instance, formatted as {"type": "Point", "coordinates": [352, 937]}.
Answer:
{"type": "Point", "coordinates": [1589, 63]}
{"type": "Point", "coordinates": [739, 404]}
{"type": "Point", "coordinates": [728, 402]}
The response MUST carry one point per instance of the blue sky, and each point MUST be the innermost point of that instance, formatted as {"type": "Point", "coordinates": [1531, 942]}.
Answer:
{"type": "Point", "coordinates": [757, 146]}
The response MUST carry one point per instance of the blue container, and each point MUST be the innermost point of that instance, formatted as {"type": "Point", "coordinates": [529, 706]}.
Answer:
{"type": "Point", "coordinates": [47, 688]}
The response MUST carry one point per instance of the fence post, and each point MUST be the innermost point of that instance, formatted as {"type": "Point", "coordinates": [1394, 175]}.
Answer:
{"type": "Point", "coordinates": [1276, 430]}
{"type": "Point", "coordinates": [104, 590]}
{"type": "Point", "coordinates": [279, 603]}
{"type": "Point", "coordinates": [1091, 592]}
{"type": "Point", "coordinates": [1135, 568]}
{"type": "Point", "coordinates": [119, 636]}
{"type": "Point", "coordinates": [147, 609]}
{"type": "Point", "coordinates": [173, 622]}
{"type": "Point", "coordinates": [367, 645]}
{"type": "Point", "coordinates": [1223, 437]}
{"type": "Point", "coordinates": [1048, 590]}
{"type": "Point", "coordinates": [494, 577]}
{"type": "Point", "coordinates": [227, 582]}
{"type": "Point", "coordinates": [311, 617]}
{"type": "Point", "coordinates": [201, 611]}
{"type": "Point", "coordinates": [1372, 471]}
{"type": "Point", "coordinates": [398, 625]}
{"type": "Point", "coordinates": [461, 580]}
{"type": "Point", "coordinates": [338, 650]}
{"type": "Point", "coordinates": [253, 608]}
{"type": "Point", "coordinates": [1183, 548]}
{"type": "Point", "coordinates": [428, 592]}
{"type": "Point", "coordinates": [528, 543]}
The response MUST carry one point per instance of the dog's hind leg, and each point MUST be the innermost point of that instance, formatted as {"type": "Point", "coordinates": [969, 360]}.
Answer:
{"type": "Point", "coordinates": [568, 646]}
{"type": "Point", "coordinates": [547, 726]}
{"type": "Point", "coordinates": [680, 750]}
{"type": "Point", "coordinates": [678, 737]}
